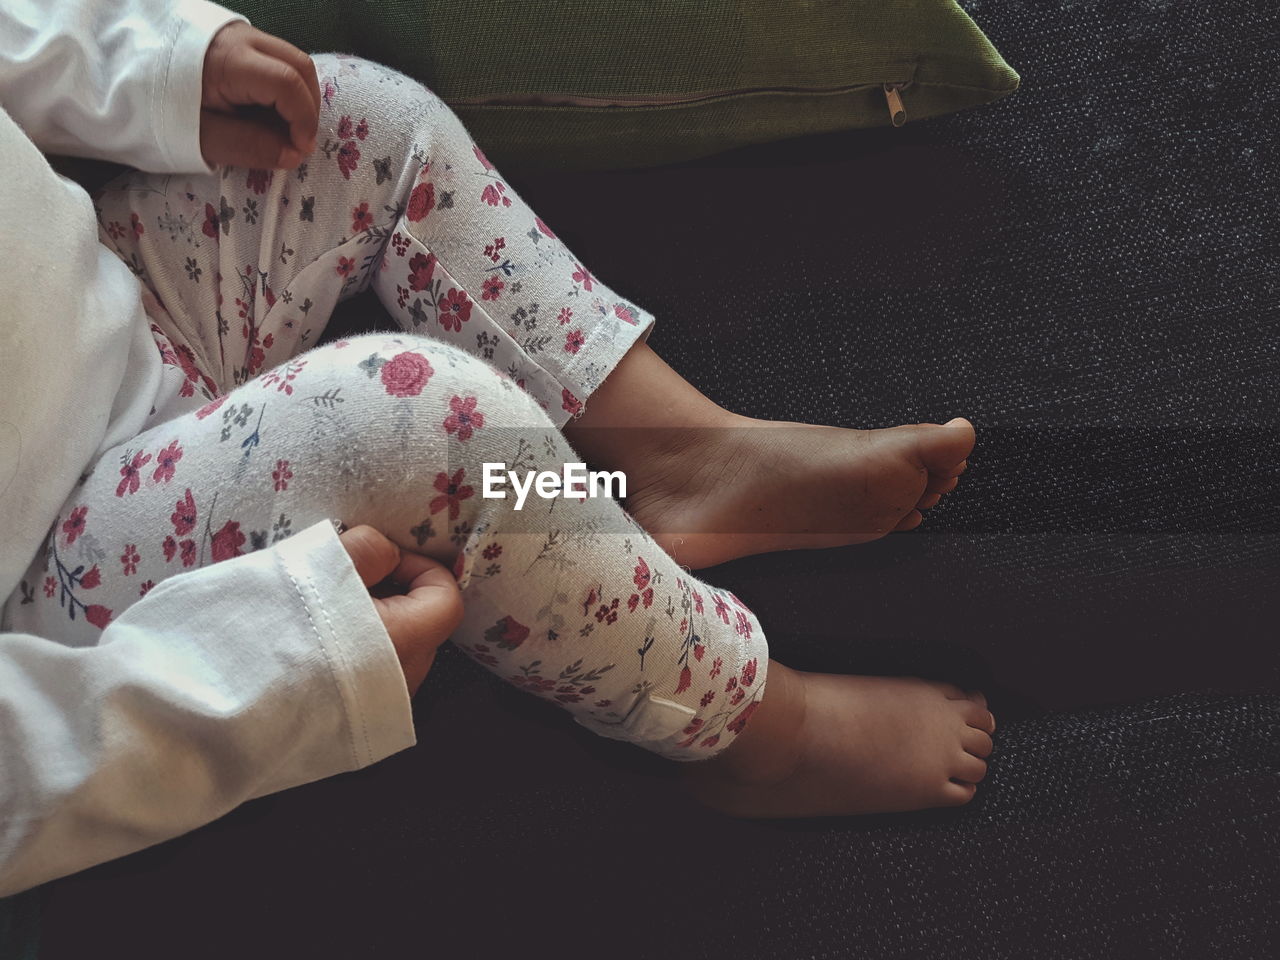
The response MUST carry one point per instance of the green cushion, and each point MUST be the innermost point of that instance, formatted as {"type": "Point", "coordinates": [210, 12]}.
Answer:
{"type": "Point", "coordinates": [657, 81]}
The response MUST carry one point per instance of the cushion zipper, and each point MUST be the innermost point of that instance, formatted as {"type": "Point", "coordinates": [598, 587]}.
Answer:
{"type": "Point", "coordinates": [623, 100]}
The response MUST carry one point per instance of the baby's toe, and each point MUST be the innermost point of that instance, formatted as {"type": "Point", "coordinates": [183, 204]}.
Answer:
{"type": "Point", "coordinates": [957, 794]}
{"type": "Point", "coordinates": [977, 742]}
{"type": "Point", "coordinates": [968, 769]}
{"type": "Point", "coordinates": [940, 485]}
{"type": "Point", "coordinates": [912, 520]}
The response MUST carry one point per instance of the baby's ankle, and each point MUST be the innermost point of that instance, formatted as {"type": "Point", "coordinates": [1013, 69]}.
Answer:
{"type": "Point", "coordinates": [766, 751]}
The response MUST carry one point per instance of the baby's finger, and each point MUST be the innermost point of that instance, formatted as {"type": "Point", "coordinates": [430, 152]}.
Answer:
{"type": "Point", "coordinates": [372, 554]}
{"type": "Point", "coordinates": [431, 607]}
{"type": "Point", "coordinates": [286, 51]}
{"type": "Point", "coordinates": [254, 77]}
{"type": "Point", "coordinates": [227, 140]}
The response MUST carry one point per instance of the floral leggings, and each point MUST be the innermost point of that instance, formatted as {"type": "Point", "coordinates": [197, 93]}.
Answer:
{"type": "Point", "coordinates": [503, 336]}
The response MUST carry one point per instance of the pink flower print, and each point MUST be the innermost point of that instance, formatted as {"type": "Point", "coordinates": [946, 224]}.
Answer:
{"type": "Point", "coordinates": [166, 461]}
{"type": "Point", "coordinates": [345, 266]}
{"type": "Point", "coordinates": [583, 276]}
{"type": "Point", "coordinates": [492, 287]}
{"type": "Point", "coordinates": [692, 729]}
{"type": "Point", "coordinates": [493, 194]}
{"type": "Point", "coordinates": [742, 626]}
{"type": "Point", "coordinates": [625, 314]}
{"type": "Point", "coordinates": [361, 218]}
{"type": "Point", "coordinates": [258, 180]}
{"type": "Point", "coordinates": [484, 161]}
{"type": "Point", "coordinates": [362, 129]}
{"type": "Point", "coordinates": [698, 650]}
{"type": "Point", "coordinates": [50, 586]}
{"type": "Point", "coordinates": [187, 360]}
{"type": "Point", "coordinates": [608, 612]}
{"type": "Point", "coordinates": [348, 157]}
{"type": "Point", "coordinates": [455, 309]}
{"type": "Point", "coordinates": [731, 684]}
{"type": "Point", "coordinates": [686, 680]}
{"type": "Point", "coordinates": [183, 519]}
{"type": "Point", "coordinates": [452, 493]}
{"type": "Point", "coordinates": [573, 341]}
{"type": "Point", "coordinates": [189, 552]}
{"type": "Point", "coordinates": [494, 250]}
{"type": "Point", "coordinates": [170, 548]}
{"type": "Point", "coordinates": [135, 222]}
{"type": "Point", "coordinates": [508, 633]}
{"type": "Point", "coordinates": [210, 407]}
{"type": "Point", "coordinates": [544, 228]}
{"type": "Point", "coordinates": [421, 269]}
{"type": "Point", "coordinates": [146, 588]}
{"type": "Point", "coordinates": [749, 672]}
{"type": "Point", "coordinates": [565, 315]}
{"type": "Point", "coordinates": [421, 202]}
{"type": "Point", "coordinates": [227, 542]}
{"type": "Point", "coordinates": [73, 526]}
{"type": "Point", "coordinates": [722, 608]}
{"type": "Point", "coordinates": [738, 722]}
{"type": "Point", "coordinates": [644, 592]}
{"type": "Point", "coordinates": [282, 475]}
{"type": "Point", "coordinates": [710, 741]}
{"type": "Point", "coordinates": [708, 697]}
{"type": "Point", "coordinates": [131, 472]}
{"type": "Point", "coordinates": [98, 615]}
{"type": "Point", "coordinates": [570, 402]}
{"type": "Point", "coordinates": [210, 226]}
{"type": "Point", "coordinates": [91, 578]}
{"type": "Point", "coordinates": [464, 419]}
{"type": "Point", "coordinates": [697, 601]}
{"type": "Point", "coordinates": [715, 667]}
{"type": "Point", "coordinates": [115, 229]}
{"type": "Point", "coordinates": [405, 374]}
{"type": "Point", "coordinates": [493, 551]}
{"type": "Point", "coordinates": [345, 128]}
{"type": "Point", "coordinates": [130, 559]}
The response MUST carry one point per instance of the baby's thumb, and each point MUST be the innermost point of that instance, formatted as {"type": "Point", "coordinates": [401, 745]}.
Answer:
{"type": "Point", "coordinates": [372, 554]}
{"type": "Point", "coordinates": [242, 141]}
{"type": "Point", "coordinates": [423, 617]}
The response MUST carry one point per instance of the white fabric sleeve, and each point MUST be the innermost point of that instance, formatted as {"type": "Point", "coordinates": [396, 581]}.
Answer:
{"type": "Point", "coordinates": [226, 683]}
{"type": "Point", "coordinates": [114, 79]}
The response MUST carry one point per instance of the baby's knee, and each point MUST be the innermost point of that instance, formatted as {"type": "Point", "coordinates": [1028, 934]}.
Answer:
{"type": "Point", "coordinates": [412, 384]}
{"type": "Point", "coordinates": [374, 98]}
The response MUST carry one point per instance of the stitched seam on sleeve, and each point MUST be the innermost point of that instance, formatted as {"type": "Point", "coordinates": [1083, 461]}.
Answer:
{"type": "Point", "coordinates": [162, 139]}
{"type": "Point", "coordinates": [328, 659]}
{"type": "Point", "coordinates": [364, 731]}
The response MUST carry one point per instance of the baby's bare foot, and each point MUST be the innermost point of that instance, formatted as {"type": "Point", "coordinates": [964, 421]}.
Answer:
{"type": "Point", "coordinates": [712, 494]}
{"type": "Point", "coordinates": [825, 745]}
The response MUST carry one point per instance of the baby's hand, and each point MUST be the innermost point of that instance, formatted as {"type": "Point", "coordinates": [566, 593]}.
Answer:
{"type": "Point", "coordinates": [260, 104]}
{"type": "Point", "coordinates": [422, 607]}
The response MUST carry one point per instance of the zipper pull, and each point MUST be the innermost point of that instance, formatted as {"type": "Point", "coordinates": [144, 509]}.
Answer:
{"type": "Point", "coordinates": [897, 112]}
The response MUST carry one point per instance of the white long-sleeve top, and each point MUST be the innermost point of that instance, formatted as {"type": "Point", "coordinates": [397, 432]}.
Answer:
{"type": "Point", "coordinates": [223, 683]}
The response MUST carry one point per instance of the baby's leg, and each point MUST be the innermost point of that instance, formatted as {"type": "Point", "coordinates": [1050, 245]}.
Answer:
{"type": "Point", "coordinates": [244, 267]}
{"type": "Point", "coordinates": [565, 598]}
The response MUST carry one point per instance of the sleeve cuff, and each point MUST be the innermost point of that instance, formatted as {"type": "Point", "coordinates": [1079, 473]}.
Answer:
{"type": "Point", "coordinates": [176, 108]}
{"type": "Point", "coordinates": [357, 645]}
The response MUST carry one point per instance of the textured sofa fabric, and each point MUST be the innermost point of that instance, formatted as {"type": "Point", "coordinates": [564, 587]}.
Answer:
{"type": "Point", "coordinates": [596, 84]}
{"type": "Point", "coordinates": [1089, 271]}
